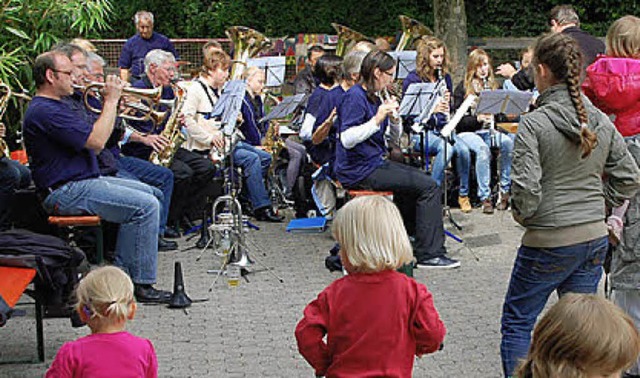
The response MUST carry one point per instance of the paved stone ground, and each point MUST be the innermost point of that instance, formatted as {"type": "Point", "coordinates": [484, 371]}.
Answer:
{"type": "Point", "coordinates": [248, 331]}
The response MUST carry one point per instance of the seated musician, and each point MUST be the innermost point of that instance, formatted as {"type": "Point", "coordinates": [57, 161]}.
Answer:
{"type": "Point", "coordinates": [204, 134]}
{"type": "Point", "coordinates": [107, 161]}
{"type": "Point", "coordinates": [13, 176]}
{"type": "Point", "coordinates": [474, 130]}
{"type": "Point", "coordinates": [432, 64]}
{"type": "Point", "coordinates": [63, 148]}
{"type": "Point", "coordinates": [361, 161]}
{"type": "Point", "coordinates": [192, 173]}
{"type": "Point", "coordinates": [255, 131]}
{"type": "Point", "coordinates": [305, 81]}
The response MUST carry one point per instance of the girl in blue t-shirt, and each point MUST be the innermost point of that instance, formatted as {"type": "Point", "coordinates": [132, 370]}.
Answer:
{"type": "Point", "coordinates": [318, 129]}
{"type": "Point", "coordinates": [366, 123]}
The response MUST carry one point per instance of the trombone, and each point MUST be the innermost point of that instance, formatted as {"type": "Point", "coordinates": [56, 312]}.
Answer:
{"type": "Point", "coordinates": [143, 110]}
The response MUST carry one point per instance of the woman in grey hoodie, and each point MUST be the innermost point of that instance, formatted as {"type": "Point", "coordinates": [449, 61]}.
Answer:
{"type": "Point", "coordinates": [568, 161]}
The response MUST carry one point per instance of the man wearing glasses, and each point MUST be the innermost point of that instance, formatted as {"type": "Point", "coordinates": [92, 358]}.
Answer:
{"type": "Point", "coordinates": [63, 149]}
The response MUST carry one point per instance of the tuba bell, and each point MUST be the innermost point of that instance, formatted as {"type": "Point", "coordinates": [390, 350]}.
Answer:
{"type": "Point", "coordinates": [247, 43]}
{"type": "Point", "coordinates": [347, 38]}
{"type": "Point", "coordinates": [411, 30]}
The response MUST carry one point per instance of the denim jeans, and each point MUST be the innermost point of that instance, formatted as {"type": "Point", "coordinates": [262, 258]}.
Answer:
{"type": "Point", "coordinates": [119, 201]}
{"type": "Point", "coordinates": [506, 152]}
{"type": "Point", "coordinates": [436, 146]}
{"type": "Point", "coordinates": [254, 163]}
{"type": "Point", "coordinates": [537, 272]}
{"type": "Point", "coordinates": [483, 162]}
{"type": "Point", "coordinates": [156, 176]}
{"type": "Point", "coordinates": [13, 176]}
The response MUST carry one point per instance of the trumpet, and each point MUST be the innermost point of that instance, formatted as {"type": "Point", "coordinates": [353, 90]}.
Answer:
{"type": "Point", "coordinates": [148, 100]}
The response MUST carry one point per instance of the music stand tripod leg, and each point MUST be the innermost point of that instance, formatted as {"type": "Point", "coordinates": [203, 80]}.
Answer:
{"type": "Point", "coordinates": [445, 207]}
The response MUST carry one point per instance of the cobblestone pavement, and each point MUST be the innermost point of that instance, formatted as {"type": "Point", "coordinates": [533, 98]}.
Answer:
{"type": "Point", "coordinates": [248, 331]}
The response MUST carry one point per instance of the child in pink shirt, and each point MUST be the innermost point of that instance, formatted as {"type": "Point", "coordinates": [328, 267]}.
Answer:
{"type": "Point", "coordinates": [375, 318]}
{"type": "Point", "coordinates": [105, 303]}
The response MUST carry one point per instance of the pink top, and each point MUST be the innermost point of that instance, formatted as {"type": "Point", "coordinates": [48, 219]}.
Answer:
{"type": "Point", "coordinates": [119, 354]}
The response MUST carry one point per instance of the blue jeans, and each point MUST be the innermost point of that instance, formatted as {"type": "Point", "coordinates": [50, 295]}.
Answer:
{"type": "Point", "coordinates": [13, 176]}
{"type": "Point", "coordinates": [537, 272]}
{"type": "Point", "coordinates": [158, 177]}
{"type": "Point", "coordinates": [254, 164]}
{"type": "Point", "coordinates": [483, 163]}
{"type": "Point", "coordinates": [436, 146]}
{"type": "Point", "coordinates": [505, 142]}
{"type": "Point", "coordinates": [119, 201]}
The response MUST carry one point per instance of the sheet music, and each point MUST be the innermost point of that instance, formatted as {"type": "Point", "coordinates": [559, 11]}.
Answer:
{"type": "Point", "coordinates": [274, 68]}
{"type": "Point", "coordinates": [504, 101]}
{"type": "Point", "coordinates": [405, 63]}
{"type": "Point", "coordinates": [417, 97]}
{"type": "Point", "coordinates": [228, 105]}
{"type": "Point", "coordinates": [286, 107]}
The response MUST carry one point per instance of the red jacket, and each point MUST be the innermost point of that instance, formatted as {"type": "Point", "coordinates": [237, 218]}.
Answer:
{"type": "Point", "coordinates": [613, 85]}
{"type": "Point", "coordinates": [375, 324]}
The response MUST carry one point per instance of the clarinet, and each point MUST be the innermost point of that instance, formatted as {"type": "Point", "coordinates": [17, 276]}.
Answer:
{"type": "Point", "coordinates": [441, 84]}
{"type": "Point", "coordinates": [487, 87]}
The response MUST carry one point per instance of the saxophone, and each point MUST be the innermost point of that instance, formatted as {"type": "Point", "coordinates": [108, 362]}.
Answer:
{"type": "Point", "coordinates": [172, 131]}
{"type": "Point", "coordinates": [273, 144]}
{"type": "Point", "coordinates": [4, 102]}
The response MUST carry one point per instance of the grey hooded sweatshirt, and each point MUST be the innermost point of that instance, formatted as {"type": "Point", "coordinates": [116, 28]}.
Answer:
{"type": "Point", "coordinates": [556, 194]}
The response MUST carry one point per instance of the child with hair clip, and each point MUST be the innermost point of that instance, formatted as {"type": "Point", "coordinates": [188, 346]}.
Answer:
{"type": "Point", "coordinates": [581, 336]}
{"type": "Point", "coordinates": [105, 303]}
{"type": "Point", "coordinates": [373, 305]}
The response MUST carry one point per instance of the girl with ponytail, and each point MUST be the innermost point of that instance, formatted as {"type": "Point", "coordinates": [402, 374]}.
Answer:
{"type": "Point", "coordinates": [568, 163]}
{"type": "Point", "coordinates": [105, 304]}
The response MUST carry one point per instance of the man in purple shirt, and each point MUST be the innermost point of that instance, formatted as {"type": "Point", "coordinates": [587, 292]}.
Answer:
{"type": "Point", "coordinates": [63, 148]}
{"type": "Point", "coordinates": [131, 60]}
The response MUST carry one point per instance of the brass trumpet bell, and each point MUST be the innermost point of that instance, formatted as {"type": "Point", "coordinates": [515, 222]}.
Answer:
{"type": "Point", "coordinates": [347, 38]}
{"type": "Point", "coordinates": [411, 30]}
{"type": "Point", "coordinates": [144, 107]}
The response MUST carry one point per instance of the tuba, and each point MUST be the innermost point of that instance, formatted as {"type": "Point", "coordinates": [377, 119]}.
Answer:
{"type": "Point", "coordinates": [347, 38]}
{"type": "Point", "coordinates": [247, 43]}
{"type": "Point", "coordinates": [172, 131]}
{"type": "Point", "coordinates": [411, 30]}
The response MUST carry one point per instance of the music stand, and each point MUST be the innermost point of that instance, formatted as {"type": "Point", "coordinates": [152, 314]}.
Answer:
{"type": "Point", "coordinates": [503, 101]}
{"type": "Point", "coordinates": [286, 107]}
{"type": "Point", "coordinates": [274, 68]}
{"type": "Point", "coordinates": [421, 101]}
{"type": "Point", "coordinates": [231, 224]}
{"type": "Point", "coordinates": [406, 62]}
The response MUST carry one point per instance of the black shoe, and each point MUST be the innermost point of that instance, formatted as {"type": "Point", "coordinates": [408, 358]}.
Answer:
{"type": "Point", "coordinates": [266, 214]}
{"type": "Point", "coordinates": [172, 233]}
{"type": "Point", "coordinates": [149, 294]}
{"type": "Point", "coordinates": [166, 245]}
{"type": "Point", "coordinates": [442, 262]}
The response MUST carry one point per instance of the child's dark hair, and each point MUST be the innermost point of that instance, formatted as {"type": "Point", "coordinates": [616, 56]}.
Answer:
{"type": "Point", "coordinates": [561, 54]}
{"type": "Point", "coordinates": [328, 69]}
{"type": "Point", "coordinates": [374, 59]}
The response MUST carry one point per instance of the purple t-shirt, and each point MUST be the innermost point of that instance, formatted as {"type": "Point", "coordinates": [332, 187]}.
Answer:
{"type": "Point", "coordinates": [99, 355]}
{"type": "Point", "coordinates": [321, 103]}
{"type": "Point", "coordinates": [136, 48]}
{"type": "Point", "coordinates": [55, 137]}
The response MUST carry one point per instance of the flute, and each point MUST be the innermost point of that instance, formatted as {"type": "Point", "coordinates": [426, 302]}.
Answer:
{"type": "Point", "coordinates": [384, 96]}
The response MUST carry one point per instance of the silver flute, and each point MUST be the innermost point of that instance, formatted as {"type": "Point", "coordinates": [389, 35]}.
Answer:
{"type": "Point", "coordinates": [384, 97]}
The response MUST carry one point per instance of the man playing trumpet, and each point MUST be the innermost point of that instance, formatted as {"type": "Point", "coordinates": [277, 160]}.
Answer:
{"type": "Point", "coordinates": [63, 148]}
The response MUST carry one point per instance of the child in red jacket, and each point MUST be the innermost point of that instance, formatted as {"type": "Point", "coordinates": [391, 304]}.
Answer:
{"type": "Point", "coordinates": [375, 318]}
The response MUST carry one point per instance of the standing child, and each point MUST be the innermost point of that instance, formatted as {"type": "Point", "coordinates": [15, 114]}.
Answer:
{"type": "Point", "coordinates": [583, 335]}
{"type": "Point", "coordinates": [105, 303]}
{"type": "Point", "coordinates": [372, 306]}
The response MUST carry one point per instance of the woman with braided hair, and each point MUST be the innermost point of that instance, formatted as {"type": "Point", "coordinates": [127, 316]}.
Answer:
{"type": "Point", "coordinates": [568, 162]}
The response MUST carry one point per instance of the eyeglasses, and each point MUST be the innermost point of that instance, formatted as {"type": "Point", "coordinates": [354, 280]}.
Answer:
{"type": "Point", "coordinates": [61, 71]}
{"type": "Point", "coordinates": [388, 73]}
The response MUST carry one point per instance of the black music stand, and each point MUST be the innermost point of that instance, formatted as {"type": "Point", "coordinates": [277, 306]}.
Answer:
{"type": "Point", "coordinates": [290, 105]}
{"type": "Point", "coordinates": [501, 101]}
{"type": "Point", "coordinates": [421, 101]}
{"type": "Point", "coordinates": [406, 62]}
{"type": "Point", "coordinates": [274, 68]}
